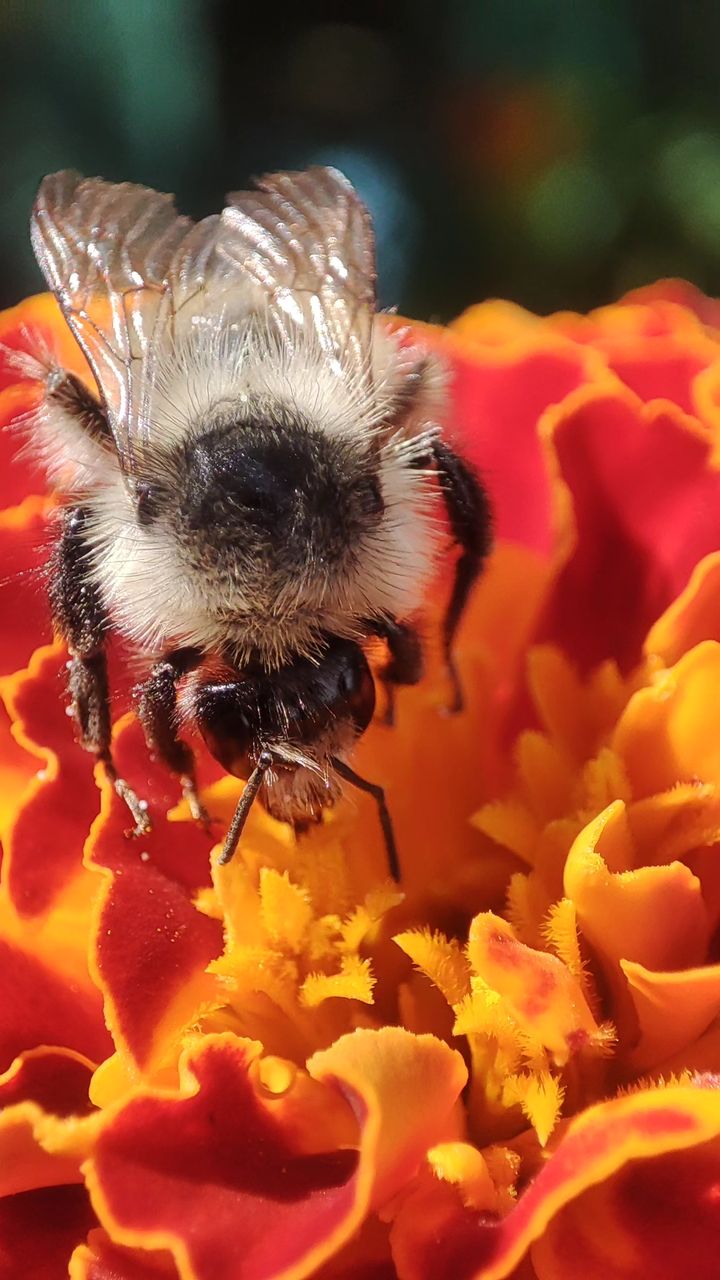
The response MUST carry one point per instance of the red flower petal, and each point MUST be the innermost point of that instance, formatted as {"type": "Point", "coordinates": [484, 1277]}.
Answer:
{"type": "Point", "coordinates": [646, 507]}
{"type": "Point", "coordinates": [19, 474]}
{"type": "Point", "coordinates": [57, 1079]}
{"type": "Point", "coordinates": [181, 852]}
{"type": "Point", "coordinates": [101, 1259]}
{"type": "Point", "coordinates": [655, 345]}
{"type": "Point", "coordinates": [437, 1236]}
{"type": "Point", "coordinates": [497, 404]}
{"type": "Point", "coordinates": [662, 373]}
{"type": "Point", "coordinates": [498, 396]}
{"type": "Point", "coordinates": [654, 1218]}
{"type": "Point", "coordinates": [681, 294]}
{"type": "Point", "coordinates": [40, 1229]}
{"type": "Point", "coordinates": [45, 844]}
{"type": "Point", "coordinates": [152, 949]}
{"type": "Point", "coordinates": [212, 1174]}
{"type": "Point", "coordinates": [39, 1007]}
{"type": "Point", "coordinates": [152, 945]}
{"type": "Point", "coordinates": [36, 320]}
{"type": "Point", "coordinates": [23, 597]}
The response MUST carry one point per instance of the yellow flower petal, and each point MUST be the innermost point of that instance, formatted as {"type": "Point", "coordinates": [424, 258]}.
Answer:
{"type": "Point", "coordinates": [440, 958]}
{"type": "Point", "coordinates": [285, 909]}
{"type": "Point", "coordinates": [481, 1177]}
{"type": "Point", "coordinates": [416, 1081]}
{"type": "Point", "coordinates": [355, 981]}
{"type": "Point", "coordinates": [691, 618]}
{"type": "Point", "coordinates": [540, 1096]}
{"type": "Point", "coordinates": [562, 935]}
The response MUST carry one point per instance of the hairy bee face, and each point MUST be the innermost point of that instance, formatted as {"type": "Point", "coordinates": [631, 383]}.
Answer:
{"type": "Point", "coordinates": [272, 501]}
{"type": "Point", "coordinates": [266, 522]}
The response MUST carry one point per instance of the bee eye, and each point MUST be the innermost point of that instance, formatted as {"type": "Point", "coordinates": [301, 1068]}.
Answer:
{"type": "Point", "coordinates": [148, 503]}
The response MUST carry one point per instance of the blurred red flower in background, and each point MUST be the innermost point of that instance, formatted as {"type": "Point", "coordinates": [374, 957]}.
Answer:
{"type": "Point", "coordinates": [291, 1067]}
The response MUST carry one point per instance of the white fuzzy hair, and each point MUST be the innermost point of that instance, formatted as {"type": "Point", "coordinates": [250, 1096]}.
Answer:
{"type": "Point", "coordinates": [72, 460]}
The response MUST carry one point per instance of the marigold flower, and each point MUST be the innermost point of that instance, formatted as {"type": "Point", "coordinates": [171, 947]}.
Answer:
{"type": "Point", "coordinates": [509, 1064]}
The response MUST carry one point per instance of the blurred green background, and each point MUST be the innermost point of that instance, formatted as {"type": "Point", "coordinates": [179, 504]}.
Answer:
{"type": "Point", "coordinates": [556, 152]}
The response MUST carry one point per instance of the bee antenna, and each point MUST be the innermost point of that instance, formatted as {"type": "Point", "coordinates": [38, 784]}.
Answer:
{"type": "Point", "coordinates": [244, 805]}
{"type": "Point", "coordinates": [373, 789]}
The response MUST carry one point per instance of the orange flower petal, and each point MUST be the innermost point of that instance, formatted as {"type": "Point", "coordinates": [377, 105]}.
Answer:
{"type": "Point", "coordinates": [20, 474]}
{"type": "Point", "coordinates": [667, 733]}
{"type": "Point", "coordinates": [673, 1010]}
{"type": "Point", "coordinates": [355, 981]}
{"type": "Point", "coordinates": [441, 843]}
{"type": "Point", "coordinates": [685, 297]}
{"type": "Point", "coordinates": [653, 915]}
{"type": "Point", "coordinates": [674, 824]}
{"type": "Point", "coordinates": [656, 345]}
{"type": "Point", "coordinates": [576, 713]}
{"type": "Point", "coordinates": [212, 1174]}
{"type": "Point", "coordinates": [25, 1165]}
{"type": "Point", "coordinates": [21, 327]}
{"type": "Point", "coordinates": [441, 959]}
{"type": "Point", "coordinates": [484, 1183]}
{"type": "Point", "coordinates": [414, 1083]}
{"type": "Point", "coordinates": [536, 988]}
{"type": "Point", "coordinates": [38, 318]}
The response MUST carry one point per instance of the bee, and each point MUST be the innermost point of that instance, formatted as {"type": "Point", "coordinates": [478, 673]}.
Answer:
{"type": "Point", "coordinates": [249, 489]}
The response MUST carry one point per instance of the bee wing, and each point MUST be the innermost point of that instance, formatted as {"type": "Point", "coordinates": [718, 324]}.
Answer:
{"type": "Point", "coordinates": [105, 250]}
{"type": "Point", "coordinates": [127, 270]}
{"type": "Point", "coordinates": [306, 241]}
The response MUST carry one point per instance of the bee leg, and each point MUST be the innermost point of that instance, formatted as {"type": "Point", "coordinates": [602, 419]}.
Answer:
{"type": "Point", "coordinates": [405, 662]}
{"type": "Point", "coordinates": [376, 791]}
{"type": "Point", "coordinates": [244, 805]}
{"type": "Point", "coordinates": [79, 617]}
{"type": "Point", "coordinates": [157, 708]}
{"type": "Point", "coordinates": [68, 392]}
{"type": "Point", "coordinates": [470, 519]}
